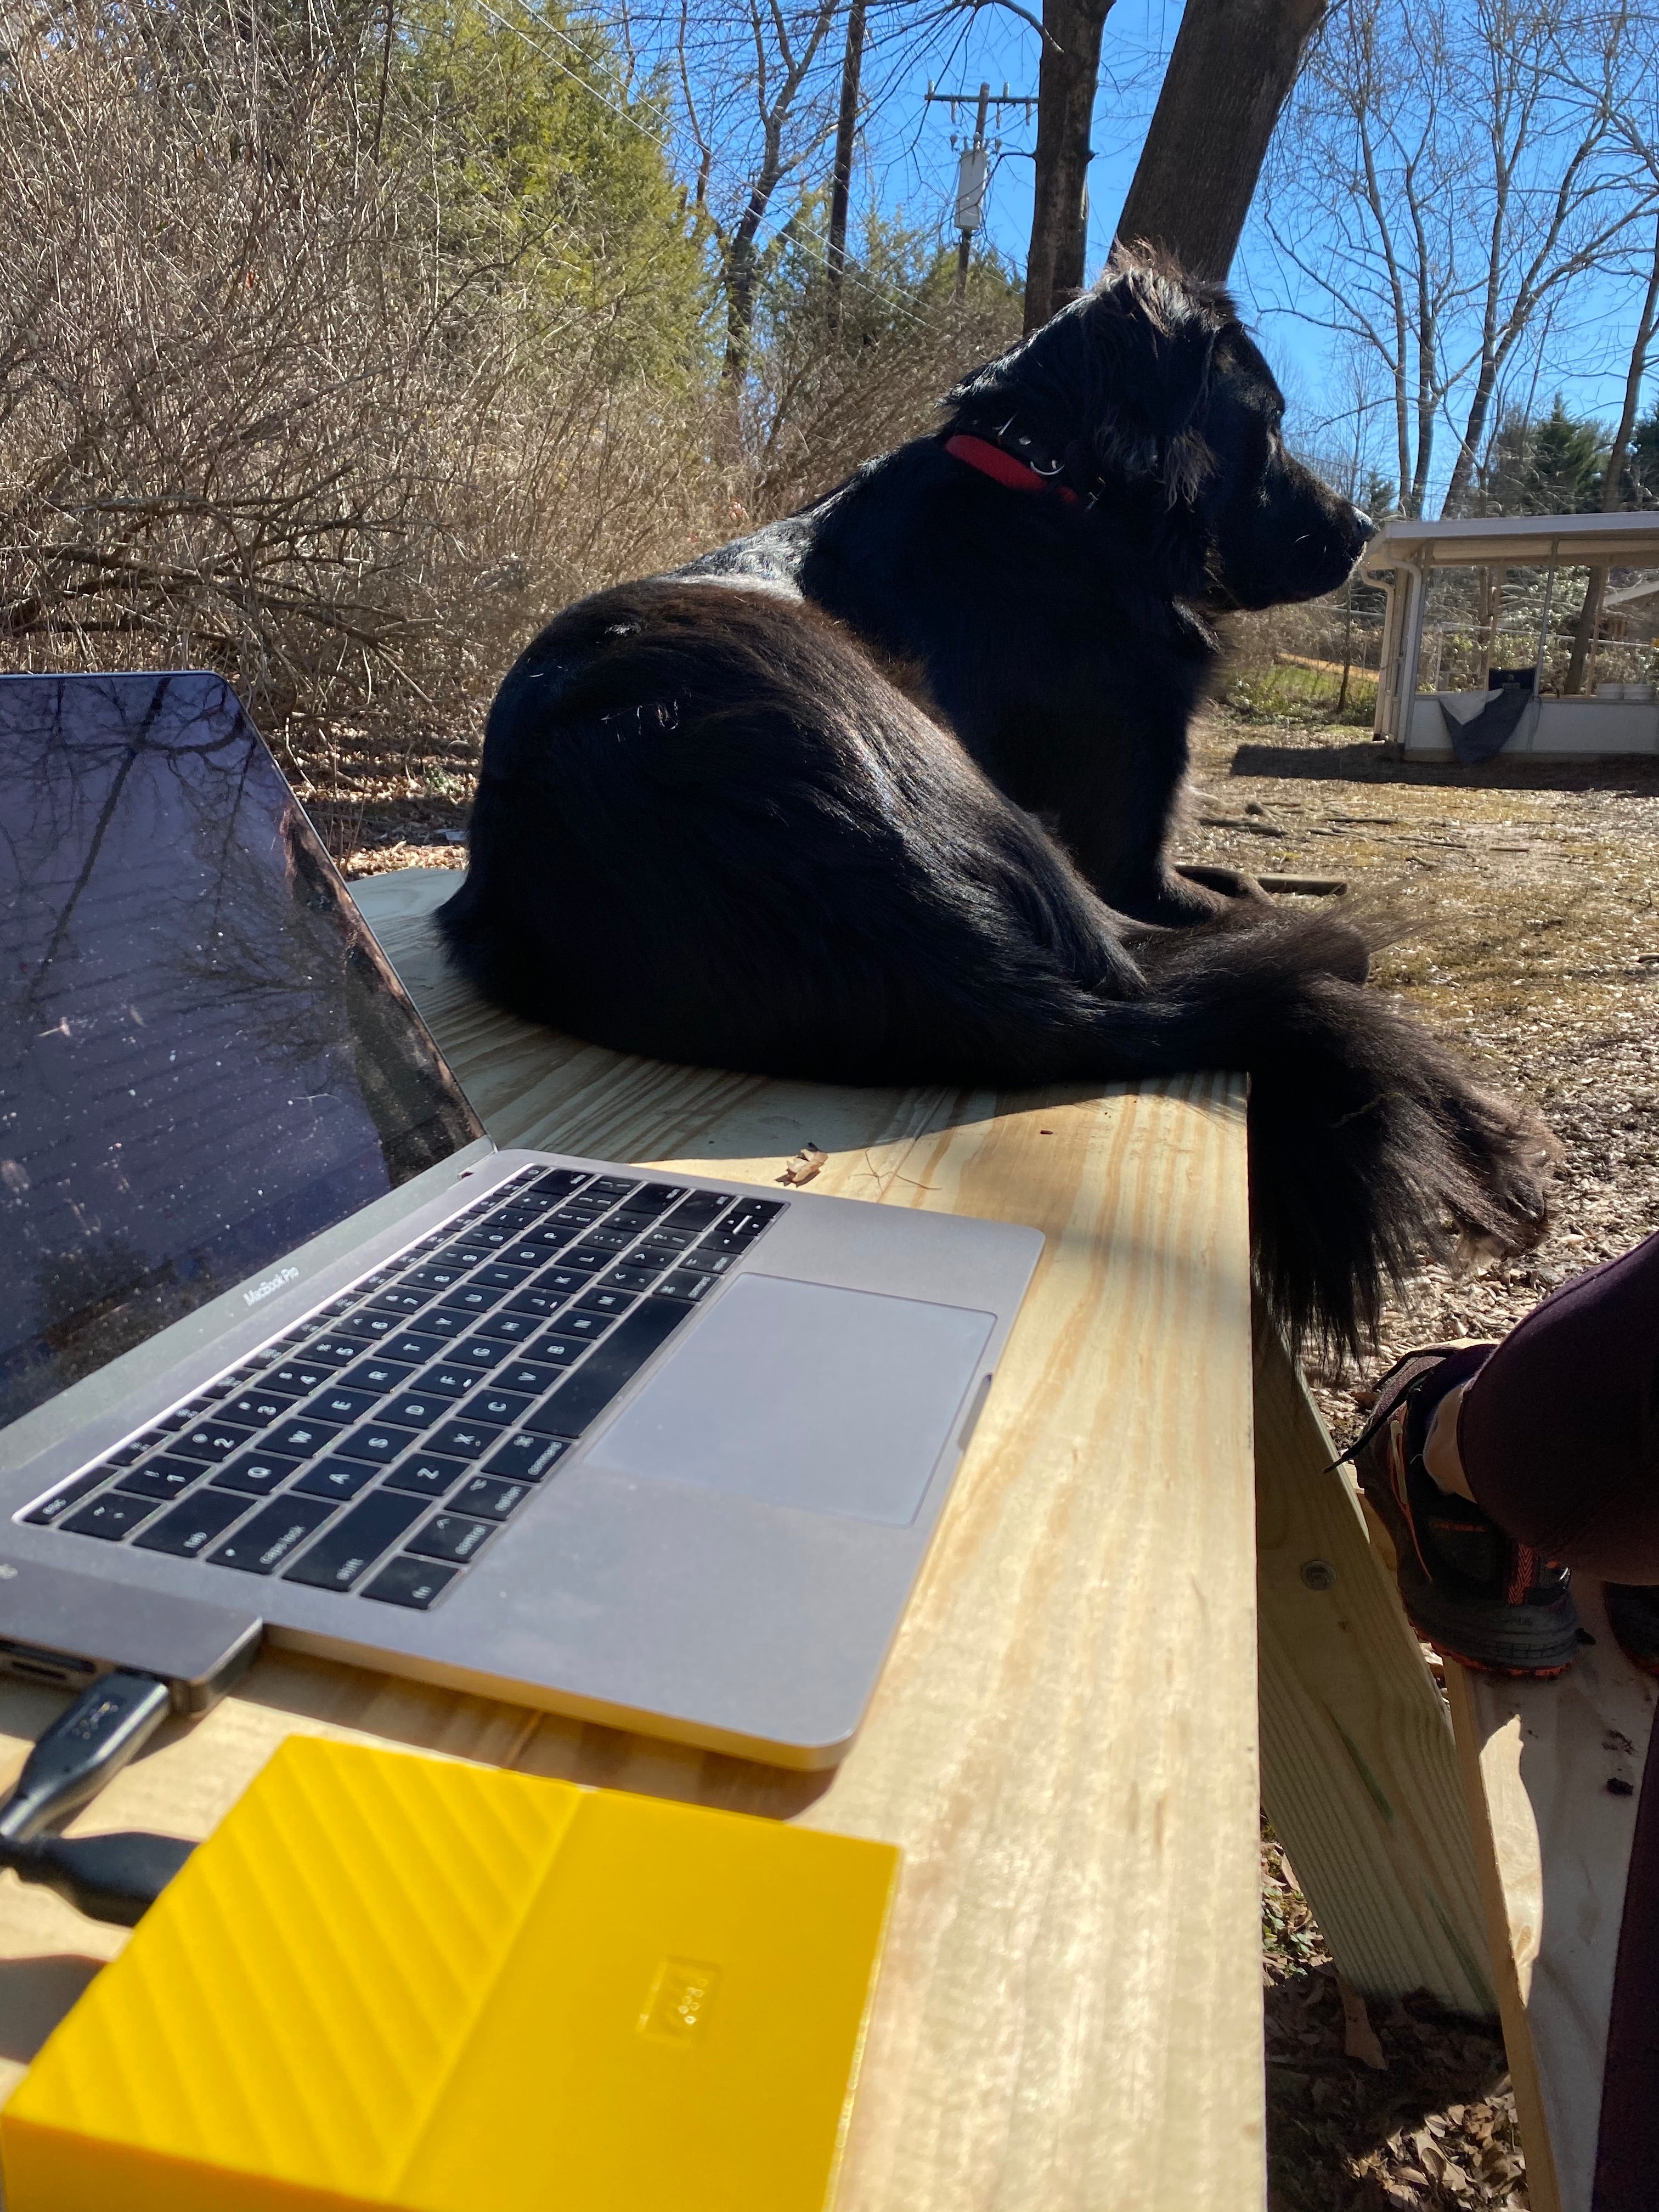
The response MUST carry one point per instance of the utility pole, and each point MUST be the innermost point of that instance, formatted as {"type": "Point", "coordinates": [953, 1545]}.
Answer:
{"type": "Point", "coordinates": [973, 167]}
{"type": "Point", "coordinates": [841, 184]}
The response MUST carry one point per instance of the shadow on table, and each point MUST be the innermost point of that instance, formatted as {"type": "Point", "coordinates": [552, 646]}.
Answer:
{"type": "Point", "coordinates": [35, 1995]}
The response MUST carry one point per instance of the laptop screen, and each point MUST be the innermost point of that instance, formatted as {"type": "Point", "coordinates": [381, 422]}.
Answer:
{"type": "Point", "coordinates": [205, 1057]}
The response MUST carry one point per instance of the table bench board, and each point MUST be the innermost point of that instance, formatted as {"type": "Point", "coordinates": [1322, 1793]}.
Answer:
{"type": "Point", "coordinates": [1554, 1843]}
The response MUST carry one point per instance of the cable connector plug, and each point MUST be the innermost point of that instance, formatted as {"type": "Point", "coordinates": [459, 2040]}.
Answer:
{"type": "Point", "coordinates": [82, 1750]}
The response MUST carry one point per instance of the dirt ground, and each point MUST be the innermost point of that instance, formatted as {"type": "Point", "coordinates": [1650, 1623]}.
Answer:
{"type": "Point", "coordinates": [1528, 899]}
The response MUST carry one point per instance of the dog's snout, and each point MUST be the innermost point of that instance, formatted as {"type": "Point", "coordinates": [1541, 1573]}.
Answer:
{"type": "Point", "coordinates": [1364, 528]}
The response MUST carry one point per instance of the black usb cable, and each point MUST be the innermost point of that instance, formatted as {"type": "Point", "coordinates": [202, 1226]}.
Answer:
{"type": "Point", "coordinates": [114, 1877]}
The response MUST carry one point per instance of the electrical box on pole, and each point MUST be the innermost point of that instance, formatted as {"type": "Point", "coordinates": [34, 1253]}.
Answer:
{"type": "Point", "coordinates": [973, 164]}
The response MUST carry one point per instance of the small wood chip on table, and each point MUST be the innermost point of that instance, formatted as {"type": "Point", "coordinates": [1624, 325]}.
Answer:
{"type": "Point", "coordinates": [1064, 1741]}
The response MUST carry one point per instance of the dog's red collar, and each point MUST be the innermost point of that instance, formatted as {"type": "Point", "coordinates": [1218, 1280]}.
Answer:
{"type": "Point", "coordinates": [991, 461]}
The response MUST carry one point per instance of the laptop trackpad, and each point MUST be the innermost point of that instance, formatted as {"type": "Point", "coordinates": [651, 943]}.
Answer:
{"type": "Point", "coordinates": [837, 1402]}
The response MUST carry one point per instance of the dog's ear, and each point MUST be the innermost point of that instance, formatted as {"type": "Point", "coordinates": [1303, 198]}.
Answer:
{"type": "Point", "coordinates": [1116, 381]}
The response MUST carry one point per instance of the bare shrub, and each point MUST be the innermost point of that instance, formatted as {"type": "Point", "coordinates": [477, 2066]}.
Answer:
{"type": "Point", "coordinates": [266, 406]}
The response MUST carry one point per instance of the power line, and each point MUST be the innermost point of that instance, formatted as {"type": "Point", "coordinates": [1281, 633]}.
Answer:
{"type": "Point", "coordinates": [887, 297]}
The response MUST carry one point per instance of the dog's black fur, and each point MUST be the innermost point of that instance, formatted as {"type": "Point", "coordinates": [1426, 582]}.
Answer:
{"type": "Point", "coordinates": [880, 795]}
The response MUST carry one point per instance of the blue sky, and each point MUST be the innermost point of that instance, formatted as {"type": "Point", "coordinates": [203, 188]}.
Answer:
{"type": "Point", "coordinates": [911, 165]}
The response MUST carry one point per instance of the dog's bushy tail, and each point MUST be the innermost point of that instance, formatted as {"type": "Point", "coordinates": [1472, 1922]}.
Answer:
{"type": "Point", "coordinates": [1371, 1141]}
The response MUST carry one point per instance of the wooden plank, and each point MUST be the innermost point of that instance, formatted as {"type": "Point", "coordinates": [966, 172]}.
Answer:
{"type": "Point", "coordinates": [1064, 1740]}
{"type": "Point", "coordinates": [1358, 1770]}
{"type": "Point", "coordinates": [1554, 1843]}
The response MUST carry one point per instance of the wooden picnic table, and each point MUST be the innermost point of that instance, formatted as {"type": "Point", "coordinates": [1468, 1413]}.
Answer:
{"type": "Point", "coordinates": [1065, 1739]}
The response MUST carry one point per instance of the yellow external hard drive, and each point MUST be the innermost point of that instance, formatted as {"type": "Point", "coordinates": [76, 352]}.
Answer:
{"type": "Point", "coordinates": [396, 1982]}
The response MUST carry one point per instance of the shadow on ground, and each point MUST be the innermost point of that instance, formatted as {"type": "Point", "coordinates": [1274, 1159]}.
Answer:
{"type": "Point", "coordinates": [1421, 2130]}
{"type": "Point", "coordinates": [1315, 762]}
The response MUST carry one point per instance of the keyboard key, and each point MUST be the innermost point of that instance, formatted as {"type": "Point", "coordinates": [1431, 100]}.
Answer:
{"type": "Point", "coordinates": [557, 1181]}
{"type": "Point", "coordinates": [217, 1440]}
{"type": "Point", "coordinates": [639, 1272]}
{"type": "Point", "coordinates": [336, 1478]}
{"type": "Point", "coordinates": [301, 1376]}
{"type": "Point", "coordinates": [110, 1516]}
{"type": "Point", "coordinates": [343, 1405]}
{"type": "Point", "coordinates": [669, 1239]}
{"type": "Point", "coordinates": [447, 1536]}
{"type": "Point", "coordinates": [345, 1552]}
{"type": "Point", "coordinates": [254, 1472]}
{"type": "Point", "coordinates": [490, 1495]}
{"type": "Point", "coordinates": [474, 1299]}
{"type": "Point", "coordinates": [300, 1439]}
{"type": "Point", "coordinates": [436, 1275]}
{"type": "Point", "coordinates": [686, 1285]}
{"type": "Point", "coordinates": [567, 1279]}
{"type": "Point", "coordinates": [419, 1409]}
{"type": "Point", "coordinates": [573, 1217]}
{"type": "Point", "coordinates": [612, 1185]}
{"type": "Point", "coordinates": [480, 1352]}
{"type": "Point", "coordinates": [170, 1424]}
{"type": "Point", "coordinates": [536, 1250]}
{"type": "Point", "coordinates": [492, 1236]}
{"type": "Point", "coordinates": [599, 1300]}
{"type": "Point", "coordinates": [55, 1507]}
{"type": "Point", "coordinates": [507, 1327]}
{"type": "Point", "coordinates": [408, 1581]}
{"type": "Point", "coordinates": [534, 1377]}
{"type": "Point", "coordinates": [163, 1478]}
{"type": "Point", "coordinates": [501, 1407]}
{"type": "Point", "coordinates": [583, 1327]}
{"type": "Point", "coordinates": [404, 1299]}
{"type": "Point", "coordinates": [587, 1260]}
{"type": "Point", "coordinates": [607, 1239]}
{"type": "Point", "coordinates": [465, 1439]}
{"type": "Point", "coordinates": [335, 1350]}
{"type": "Point", "coordinates": [125, 1455]}
{"type": "Point", "coordinates": [555, 1351]}
{"type": "Point", "coordinates": [377, 1375]}
{"type": "Point", "coordinates": [427, 1475]}
{"type": "Point", "coordinates": [700, 1209]}
{"type": "Point", "coordinates": [272, 1536]}
{"type": "Point", "coordinates": [500, 1276]}
{"type": "Point", "coordinates": [525, 1458]}
{"type": "Point", "coordinates": [610, 1367]}
{"type": "Point", "coordinates": [378, 1442]}
{"type": "Point", "coordinates": [534, 1303]}
{"type": "Point", "coordinates": [412, 1351]}
{"type": "Point", "coordinates": [367, 1327]}
{"type": "Point", "coordinates": [257, 1407]}
{"type": "Point", "coordinates": [447, 1381]}
{"type": "Point", "coordinates": [745, 1222]}
{"type": "Point", "coordinates": [439, 1322]}
{"type": "Point", "coordinates": [651, 1199]}
{"type": "Point", "coordinates": [191, 1527]}
{"type": "Point", "coordinates": [464, 1254]}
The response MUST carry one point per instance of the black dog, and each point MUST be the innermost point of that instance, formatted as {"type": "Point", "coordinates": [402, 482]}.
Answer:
{"type": "Point", "coordinates": [879, 794]}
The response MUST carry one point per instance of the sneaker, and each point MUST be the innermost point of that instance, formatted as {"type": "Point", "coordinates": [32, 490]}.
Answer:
{"type": "Point", "coordinates": [1634, 1617]}
{"type": "Point", "coordinates": [1471, 1591]}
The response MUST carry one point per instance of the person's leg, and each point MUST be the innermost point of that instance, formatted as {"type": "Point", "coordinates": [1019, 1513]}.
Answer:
{"type": "Point", "coordinates": [1558, 1433]}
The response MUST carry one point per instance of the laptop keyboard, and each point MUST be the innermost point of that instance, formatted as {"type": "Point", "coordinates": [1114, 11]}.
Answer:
{"type": "Point", "coordinates": [379, 1446]}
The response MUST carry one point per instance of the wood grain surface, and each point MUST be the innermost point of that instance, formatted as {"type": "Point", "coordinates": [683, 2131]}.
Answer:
{"type": "Point", "coordinates": [1359, 1773]}
{"type": "Point", "coordinates": [1064, 1741]}
{"type": "Point", "coordinates": [1553, 1841]}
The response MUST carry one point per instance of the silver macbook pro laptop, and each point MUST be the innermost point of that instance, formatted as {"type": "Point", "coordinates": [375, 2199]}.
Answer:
{"type": "Point", "coordinates": [288, 1349]}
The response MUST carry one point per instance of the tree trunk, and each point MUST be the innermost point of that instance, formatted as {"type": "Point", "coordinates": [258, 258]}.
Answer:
{"type": "Point", "coordinates": [841, 188]}
{"type": "Point", "coordinates": [1067, 77]}
{"type": "Point", "coordinates": [1232, 71]}
{"type": "Point", "coordinates": [1590, 613]}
